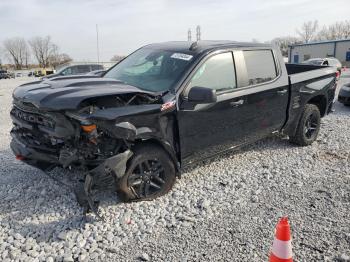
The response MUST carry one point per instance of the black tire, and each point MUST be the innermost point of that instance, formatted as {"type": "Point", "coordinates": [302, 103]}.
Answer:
{"type": "Point", "coordinates": [308, 126]}
{"type": "Point", "coordinates": [150, 174]}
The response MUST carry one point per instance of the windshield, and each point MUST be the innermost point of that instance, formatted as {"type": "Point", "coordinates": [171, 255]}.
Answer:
{"type": "Point", "coordinates": [150, 69]}
{"type": "Point", "coordinates": [59, 71]}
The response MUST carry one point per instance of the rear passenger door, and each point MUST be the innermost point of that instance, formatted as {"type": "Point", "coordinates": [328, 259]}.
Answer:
{"type": "Point", "coordinates": [265, 88]}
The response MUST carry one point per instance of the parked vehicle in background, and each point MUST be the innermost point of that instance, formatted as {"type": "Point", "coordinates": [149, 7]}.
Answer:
{"type": "Point", "coordinates": [165, 107]}
{"type": "Point", "coordinates": [12, 74]}
{"type": "Point", "coordinates": [4, 74]}
{"type": "Point", "coordinates": [328, 61]}
{"type": "Point", "coordinates": [344, 95]}
{"type": "Point", "coordinates": [19, 74]}
{"type": "Point", "coordinates": [43, 72]}
{"type": "Point", "coordinates": [38, 73]}
{"type": "Point", "coordinates": [31, 73]}
{"type": "Point", "coordinates": [96, 73]}
{"type": "Point", "coordinates": [76, 70]}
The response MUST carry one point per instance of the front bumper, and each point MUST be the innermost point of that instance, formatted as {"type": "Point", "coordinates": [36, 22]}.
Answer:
{"type": "Point", "coordinates": [32, 156]}
{"type": "Point", "coordinates": [104, 176]}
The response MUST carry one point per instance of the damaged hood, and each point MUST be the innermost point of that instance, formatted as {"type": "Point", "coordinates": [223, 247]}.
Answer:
{"type": "Point", "coordinates": [66, 94]}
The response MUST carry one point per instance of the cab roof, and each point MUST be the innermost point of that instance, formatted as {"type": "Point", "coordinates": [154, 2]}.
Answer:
{"type": "Point", "coordinates": [202, 46]}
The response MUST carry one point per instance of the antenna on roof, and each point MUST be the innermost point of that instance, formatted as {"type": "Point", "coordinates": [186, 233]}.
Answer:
{"type": "Point", "coordinates": [194, 46]}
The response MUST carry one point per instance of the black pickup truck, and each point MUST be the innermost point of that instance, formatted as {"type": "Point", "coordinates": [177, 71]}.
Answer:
{"type": "Point", "coordinates": [166, 106]}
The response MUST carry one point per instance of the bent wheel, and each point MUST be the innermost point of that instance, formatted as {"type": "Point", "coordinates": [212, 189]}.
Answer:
{"type": "Point", "coordinates": [150, 174]}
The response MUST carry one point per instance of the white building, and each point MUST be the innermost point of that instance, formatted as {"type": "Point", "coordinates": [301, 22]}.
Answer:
{"type": "Point", "coordinates": [339, 49]}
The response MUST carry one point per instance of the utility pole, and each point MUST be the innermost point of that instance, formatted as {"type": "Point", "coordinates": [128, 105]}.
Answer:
{"type": "Point", "coordinates": [198, 29]}
{"type": "Point", "coordinates": [98, 48]}
{"type": "Point", "coordinates": [189, 35]}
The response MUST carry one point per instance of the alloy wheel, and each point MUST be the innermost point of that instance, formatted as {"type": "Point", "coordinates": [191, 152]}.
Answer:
{"type": "Point", "coordinates": [147, 178]}
{"type": "Point", "coordinates": [311, 125]}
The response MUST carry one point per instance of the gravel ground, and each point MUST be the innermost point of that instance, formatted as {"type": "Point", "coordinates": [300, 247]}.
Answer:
{"type": "Point", "coordinates": [222, 210]}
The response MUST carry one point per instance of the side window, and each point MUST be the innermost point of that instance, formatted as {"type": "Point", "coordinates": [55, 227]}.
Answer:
{"type": "Point", "coordinates": [260, 65]}
{"type": "Point", "coordinates": [67, 71]}
{"type": "Point", "coordinates": [74, 70]}
{"type": "Point", "coordinates": [82, 69]}
{"type": "Point", "coordinates": [217, 72]}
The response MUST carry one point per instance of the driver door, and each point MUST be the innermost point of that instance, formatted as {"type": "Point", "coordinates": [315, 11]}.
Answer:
{"type": "Point", "coordinates": [207, 129]}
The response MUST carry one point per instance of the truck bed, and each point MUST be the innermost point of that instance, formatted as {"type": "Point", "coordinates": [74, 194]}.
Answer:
{"type": "Point", "coordinates": [300, 72]}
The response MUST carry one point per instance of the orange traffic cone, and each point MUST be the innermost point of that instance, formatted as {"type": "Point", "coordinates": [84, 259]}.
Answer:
{"type": "Point", "coordinates": [282, 245]}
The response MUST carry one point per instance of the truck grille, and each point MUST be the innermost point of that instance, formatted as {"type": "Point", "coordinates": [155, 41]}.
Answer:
{"type": "Point", "coordinates": [32, 116]}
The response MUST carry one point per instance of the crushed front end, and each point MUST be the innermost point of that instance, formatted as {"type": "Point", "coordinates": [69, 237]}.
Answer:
{"type": "Point", "coordinates": [87, 138]}
{"type": "Point", "coordinates": [47, 139]}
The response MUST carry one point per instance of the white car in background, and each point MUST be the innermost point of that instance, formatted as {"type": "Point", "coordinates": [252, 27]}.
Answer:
{"type": "Point", "coordinates": [328, 61]}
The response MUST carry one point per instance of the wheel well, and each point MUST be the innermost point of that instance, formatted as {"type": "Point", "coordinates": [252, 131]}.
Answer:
{"type": "Point", "coordinates": [321, 102]}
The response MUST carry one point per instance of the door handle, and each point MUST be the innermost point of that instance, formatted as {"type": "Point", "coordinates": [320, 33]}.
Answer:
{"type": "Point", "coordinates": [282, 92]}
{"type": "Point", "coordinates": [307, 91]}
{"type": "Point", "coordinates": [237, 103]}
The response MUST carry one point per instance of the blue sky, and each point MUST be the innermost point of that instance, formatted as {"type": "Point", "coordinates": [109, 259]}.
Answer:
{"type": "Point", "coordinates": [127, 25]}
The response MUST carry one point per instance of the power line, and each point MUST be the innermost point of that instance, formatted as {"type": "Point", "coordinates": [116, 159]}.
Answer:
{"type": "Point", "coordinates": [98, 49]}
{"type": "Point", "coordinates": [189, 35]}
{"type": "Point", "coordinates": [198, 34]}
{"type": "Point", "coordinates": [198, 30]}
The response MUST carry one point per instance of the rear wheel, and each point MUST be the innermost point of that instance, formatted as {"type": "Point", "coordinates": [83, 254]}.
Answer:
{"type": "Point", "coordinates": [150, 174]}
{"type": "Point", "coordinates": [308, 126]}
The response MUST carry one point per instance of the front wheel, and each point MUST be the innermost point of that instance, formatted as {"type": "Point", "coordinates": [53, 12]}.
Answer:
{"type": "Point", "coordinates": [150, 174]}
{"type": "Point", "coordinates": [308, 126]}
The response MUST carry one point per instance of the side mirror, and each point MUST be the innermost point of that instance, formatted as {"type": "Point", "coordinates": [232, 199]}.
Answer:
{"type": "Point", "coordinates": [202, 95]}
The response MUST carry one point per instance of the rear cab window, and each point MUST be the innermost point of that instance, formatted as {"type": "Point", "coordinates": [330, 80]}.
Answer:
{"type": "Point", "coordinates": [260, 66]}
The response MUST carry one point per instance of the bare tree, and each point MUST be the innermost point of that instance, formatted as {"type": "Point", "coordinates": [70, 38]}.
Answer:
{"type": "Point", "coordinates": [43, 48]}
{"type": "Point", "coordinates": [324, 34]}
{"type": "Point", "coordinates": [17, 50]}
{"type": "Point", "coordinates": [308, 31]}
{"type": "Point", "coordinates": [346, 29]}
{"type": "Point", "coordinates": [284, 42]}
{"type": "Point", "coordinates": [338, 30]}
{"type": "Point", "coordinates": [117, 58]}
{"type": "Point", "coordinates": [58, 59]}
